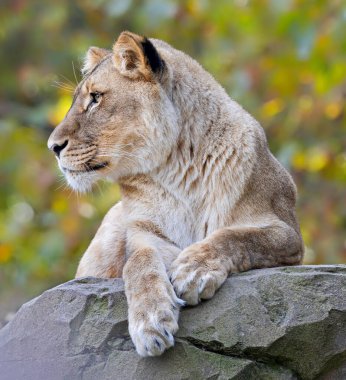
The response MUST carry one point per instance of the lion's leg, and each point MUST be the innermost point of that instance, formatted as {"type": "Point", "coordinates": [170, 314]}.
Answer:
{"type": "Point", "coordinates": [201, 268]}
{"type": "Point", "coordinates": [105, 256]}
{"type": "Point", "coordinates": [153, 304]}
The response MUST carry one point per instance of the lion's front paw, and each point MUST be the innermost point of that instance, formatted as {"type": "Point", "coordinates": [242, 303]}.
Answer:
{"type": "Point", "coordinates": [196, 273]}
{"type": "Point", "coordinates": [152, 325]}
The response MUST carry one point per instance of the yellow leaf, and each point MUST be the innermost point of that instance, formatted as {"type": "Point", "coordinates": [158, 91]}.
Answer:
{"type": "Point", "coordinates": [299, 161]}
{"type": "Point", "coordinates": [271, 108]}
{"type": "Point", "coordinates": [332, 110]}
{"type": "Point", "coordinates": [5, 253]}
{"type": "Point", "coordinates": [316, 160]}
{"type": "Point", "coordinates": [59, 111]}
{"type": "Point", "coordinates": [192, 6]}
{"type": "Point", "coordinates": [306, 235]}
{"type": "Point", "coordinates": [59, 205]}
{"type": "Point", "coordinates": [322, 83]}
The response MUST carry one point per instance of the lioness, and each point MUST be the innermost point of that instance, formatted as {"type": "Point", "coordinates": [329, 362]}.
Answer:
{"type": "Point", "coordinates": [202, 196]}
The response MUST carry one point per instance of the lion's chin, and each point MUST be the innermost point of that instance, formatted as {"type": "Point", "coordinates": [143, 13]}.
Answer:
{"type": "Point", "coordinates": [83, 181]}
{"type": "Point", "coordinates": [80, 182]}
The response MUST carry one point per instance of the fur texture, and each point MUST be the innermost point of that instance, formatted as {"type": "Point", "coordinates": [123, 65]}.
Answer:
{"type": "Point", "coordinates": [202, 196]}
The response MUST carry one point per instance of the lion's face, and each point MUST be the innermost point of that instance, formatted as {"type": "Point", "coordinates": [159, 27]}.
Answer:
{"type": "Point", "coordinates": [117, 125]}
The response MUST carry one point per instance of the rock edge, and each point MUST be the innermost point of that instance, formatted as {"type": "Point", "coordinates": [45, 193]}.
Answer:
{"type": "Point", "coordinates": [279, 323]}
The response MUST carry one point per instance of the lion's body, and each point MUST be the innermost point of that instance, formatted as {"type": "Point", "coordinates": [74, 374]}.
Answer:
{"type": "Point", "coordinates": [202, 196]}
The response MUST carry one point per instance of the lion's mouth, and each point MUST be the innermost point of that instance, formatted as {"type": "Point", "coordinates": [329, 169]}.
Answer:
{"type": "Point", "coordinates": [96, 167]}
{"type": "Point", "coordinates": [87, 167]}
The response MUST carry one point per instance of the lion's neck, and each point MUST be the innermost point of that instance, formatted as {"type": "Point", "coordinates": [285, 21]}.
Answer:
{"type": "Point", "coordinates": [213, 156]}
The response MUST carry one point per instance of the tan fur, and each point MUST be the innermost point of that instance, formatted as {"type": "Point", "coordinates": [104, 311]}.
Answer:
{"type": "Point", "coordinates": [202, 196]}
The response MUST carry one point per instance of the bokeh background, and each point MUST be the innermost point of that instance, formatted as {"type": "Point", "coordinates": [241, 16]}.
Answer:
{"type": "Point", "coordinates": [283, 60]}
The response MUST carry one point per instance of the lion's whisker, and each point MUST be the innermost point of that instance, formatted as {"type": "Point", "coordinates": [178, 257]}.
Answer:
{"type": "Point", "coordinates": [69, 82]}
{"type": "Point", "coordinates": [74, 73]}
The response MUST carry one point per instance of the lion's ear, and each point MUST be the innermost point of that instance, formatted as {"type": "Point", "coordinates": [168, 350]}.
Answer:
{"type": "Point", "coordinates": [136, 57]}
{"type": "Point", "coordinates": [93, 56]}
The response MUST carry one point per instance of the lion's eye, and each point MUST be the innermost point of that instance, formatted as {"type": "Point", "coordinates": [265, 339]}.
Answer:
{"type": "Point", "coordinates": [95, 98]}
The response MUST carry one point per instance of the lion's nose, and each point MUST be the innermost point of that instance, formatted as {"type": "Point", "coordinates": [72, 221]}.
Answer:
{"type": "Point", "coordinates": [57, 148]}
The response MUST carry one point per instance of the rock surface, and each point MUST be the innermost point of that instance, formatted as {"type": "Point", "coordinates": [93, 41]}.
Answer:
{"type": "Point", "coordinates": [280, 323]}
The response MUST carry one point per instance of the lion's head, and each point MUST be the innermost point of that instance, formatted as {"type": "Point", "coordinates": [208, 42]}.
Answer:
{"type": "Point", "coordinates": [121, 121]}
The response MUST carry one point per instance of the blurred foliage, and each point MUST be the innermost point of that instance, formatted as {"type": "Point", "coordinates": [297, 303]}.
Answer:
{"type": "Point", "coordinates": [283, 60]}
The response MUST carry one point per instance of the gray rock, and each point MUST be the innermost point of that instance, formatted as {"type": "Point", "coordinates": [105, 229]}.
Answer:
{"type": "Point", "coordinates": [280, 323]}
